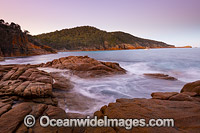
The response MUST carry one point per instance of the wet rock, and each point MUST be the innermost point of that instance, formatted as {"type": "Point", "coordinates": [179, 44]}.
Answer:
{"type": "Point", "coordinates": [86, 67]}
{"type": "Point", "coordinates": [61, 83]}
{"type": "Point", "coordinates": [181, 97]}
{"type": "Point", "coordinates": [163, 95]}
{"type": "Point", "coordinates": [74, 101]}
{"type": "Point", "coordinates": [192, 87]}
{"type": "Point", "coordinates": [160, 76]}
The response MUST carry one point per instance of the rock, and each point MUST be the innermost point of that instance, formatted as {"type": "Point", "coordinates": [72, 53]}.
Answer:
{"type": "Point", "coordinates": [48, 101]}
{"type": "Point", "coordinates": [181, 97]}
{"type": "Point", "coordinates": [61, 83]}
{"type": "Point", "coordinates": [5, 108]}
{"type": "Point", "coordinates": [26, 81]}
{"type": "Point", "coordinates": [6, 68]}
{"type": "Point", "coordinates": [27, 74]}
{"type": "Point", "coordinates": [26, 90]}
{"type": "Point", "coordinates": [40, 76]}
{"type": "Point", "coordinates": [10, 120]}
{"type": "Point", "coordinates": [192, 94]}
{"type": "Point", "coordinates": [100, 130]}
{"type": "Point", "coordinates": [72, 100]}
{"type": "Point", "coordinates": [9, 74]}
{"type": "Point", "coordinates": [99, 114]}
{"type": "Point", "coordinates": [18, 72]}
{"type": "Point", "coordinates": [38, 89]}
{"type": "Point", "coordinates": [21, 87]}
{"type": "Point", "coordinates": [1, 58]}
{"type": "Point", "coordinates": [184, 113]}
{"type": "Point", "coordinates": [56, 113]}
{"type": "Point", "coordinates": [192, 87]}
{"type": "Point", "coordinates": [160, 76]}
{"type": "Point", "coordinates": [163, 95]}
{"type": "Point", "coordinates": [86, 67]}
{"type": "Point", "coordinates": [75, 115]}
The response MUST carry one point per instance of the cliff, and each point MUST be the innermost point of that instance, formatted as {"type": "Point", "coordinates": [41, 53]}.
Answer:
{"type": "Point", "coordinates": [14, 42]}
{"type": "Point", "coordinates": [91, 38]}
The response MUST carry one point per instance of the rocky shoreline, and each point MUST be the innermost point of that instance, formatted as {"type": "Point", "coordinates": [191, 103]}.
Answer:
{"type": "Point", "coordinates": [27, 89]}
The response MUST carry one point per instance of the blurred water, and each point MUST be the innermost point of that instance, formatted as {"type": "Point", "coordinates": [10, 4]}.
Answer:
{"type": "Point", "coordinates": [183, 64]}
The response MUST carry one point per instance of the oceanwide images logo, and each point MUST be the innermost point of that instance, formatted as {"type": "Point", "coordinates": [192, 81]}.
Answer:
{"type": "Point", "coordinates": [45, 121]}
{"type": "Point", "coordinates": [29, 121]}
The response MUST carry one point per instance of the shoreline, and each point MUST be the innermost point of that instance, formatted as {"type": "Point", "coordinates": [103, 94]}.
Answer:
{"type": "Point", "coordinates": [113, 49]}
{"type": "Point", "coordinates": [57, 51]}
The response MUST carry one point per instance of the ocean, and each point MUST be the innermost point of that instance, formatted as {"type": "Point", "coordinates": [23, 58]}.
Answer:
{"type": "Point", "coordinates": [181, 63]}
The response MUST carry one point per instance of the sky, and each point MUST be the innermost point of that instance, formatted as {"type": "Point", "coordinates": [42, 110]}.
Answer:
{"type": "Point", "coordinates": [175, 22]}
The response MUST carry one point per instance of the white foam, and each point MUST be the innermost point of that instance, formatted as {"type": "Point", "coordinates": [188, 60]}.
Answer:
{"type": "Point", "coordinates": [48, 69]}
{"type": "Point", "coordinates": [139, 68]}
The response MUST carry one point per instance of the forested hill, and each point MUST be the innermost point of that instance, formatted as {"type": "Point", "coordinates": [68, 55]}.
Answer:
{"type": "Point", "coordinates": [91, 38]}
{"type": "Point", "coordinates": [15, 42]}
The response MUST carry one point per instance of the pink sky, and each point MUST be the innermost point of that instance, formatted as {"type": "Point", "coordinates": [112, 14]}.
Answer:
{"type": "Point", "coordinates": [175, 22]}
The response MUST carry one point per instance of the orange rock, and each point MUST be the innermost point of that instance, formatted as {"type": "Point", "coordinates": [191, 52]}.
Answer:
{"type": "Point", "coordinates": [86, 67]}
{"type": "Point", "coordinates": [192, 87]}
{"type": "Point", "coordinates": [163, 95]}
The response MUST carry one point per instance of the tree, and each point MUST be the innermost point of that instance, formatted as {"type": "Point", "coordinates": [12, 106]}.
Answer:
{"type": "Point", "coordinates": [17, 27]}
{"type": "Point", "coordinates": [2, 21]}
{"type": "Point", "coordinates": [13, 25]}
{"type": "Point", "coordinates": [26, 32]}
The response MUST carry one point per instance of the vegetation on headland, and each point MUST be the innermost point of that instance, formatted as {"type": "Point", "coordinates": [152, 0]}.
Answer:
{"type": "Point", "coordinates": [91, 38]}
{"type": "Point", "coordinates": [15, 42]}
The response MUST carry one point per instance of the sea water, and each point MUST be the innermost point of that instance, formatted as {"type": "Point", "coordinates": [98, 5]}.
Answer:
{"type": "Point", "coordinates": [181, 63]}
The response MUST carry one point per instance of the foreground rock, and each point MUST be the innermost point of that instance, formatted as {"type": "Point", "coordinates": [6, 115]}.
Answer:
{"type": "Point", "coordinates": [61, 82]}
{"type": "Point", "coordinates": [185, 114]}
{"type": "Point", "coordinates": [182, 107]}
{"type": "Point", "coordinates": [25, 81]}
{"type": "Point", "coordinates": [24, 90]}
{"type": "Point", "coordinates": [160, 76]}
{"type": "Point", "coordinates": [86, 67]}
{"type": "Point", "coordinates": [12, 120]}
{"type": "Point", "coordinates": [163, 95]}
{"type": "Point", "coordinates": [192, 87]}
